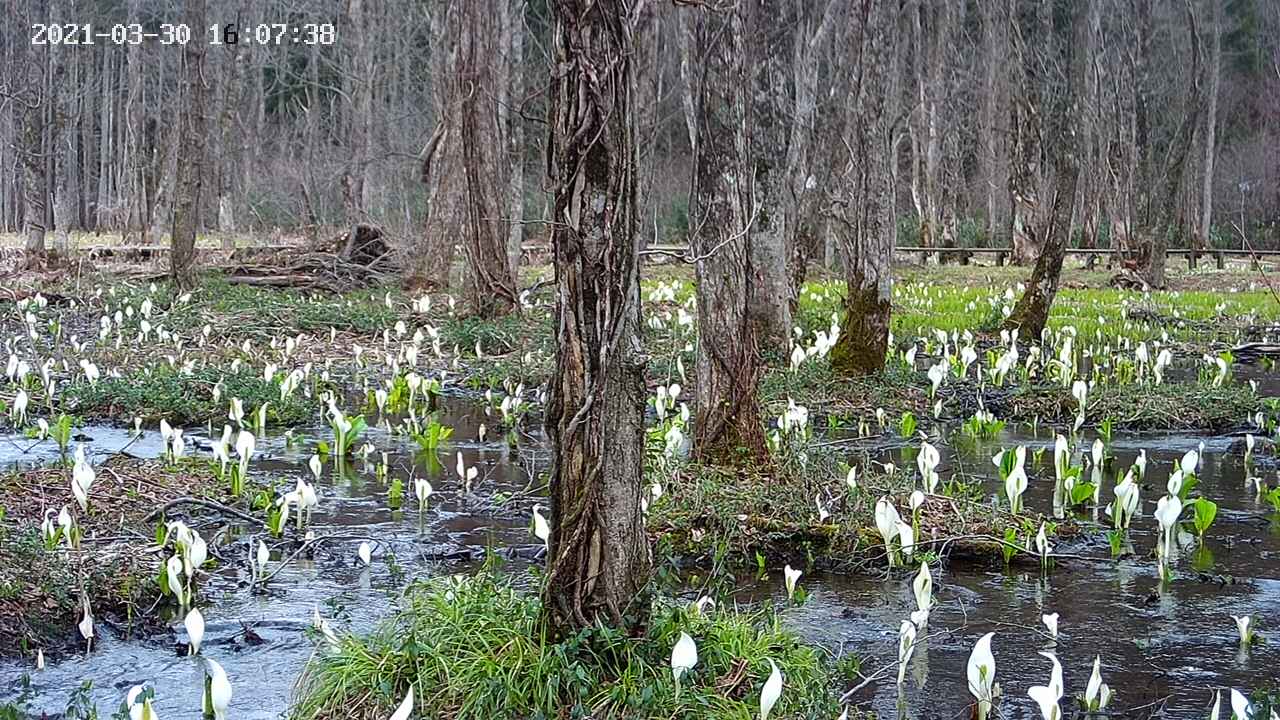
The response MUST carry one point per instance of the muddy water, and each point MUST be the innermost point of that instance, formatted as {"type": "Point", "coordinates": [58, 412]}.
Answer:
{"type": "Point", "coordinates": [1159, 648]}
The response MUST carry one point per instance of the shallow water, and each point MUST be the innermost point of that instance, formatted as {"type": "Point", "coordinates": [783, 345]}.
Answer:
{"type": "Point", "coordinates": [1159, 649]}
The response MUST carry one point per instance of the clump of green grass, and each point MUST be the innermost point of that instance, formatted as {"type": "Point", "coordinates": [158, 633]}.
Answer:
{"type": "Point", "coordinates": [473, 650]}
{"type": "Point", "coordinates": [1170, 406]}
{"type": "Point", "coordinates": [182, 399]}
{"type": "Point", "coordinates": [743, 516]}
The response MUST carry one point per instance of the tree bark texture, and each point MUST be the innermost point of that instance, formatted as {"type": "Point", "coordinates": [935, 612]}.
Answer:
{"type": "Point", "coordinates": [189, 171]}
{"type": "Point", "coordinates": [490, 287]}
{"type": "Point", "coordinates": [862, 205]}
{"type": "Point", "coordinates": [599, 559]}
{"type": "Point", "coordinates": [1055, 76]}
{"type": "Point", "coordinates": [723, 207]}
{"type": "Point", "coordinates": [766, 51]}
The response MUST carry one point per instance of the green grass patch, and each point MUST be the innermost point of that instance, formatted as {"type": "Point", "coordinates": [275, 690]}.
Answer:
{"type": "Point", "coordinates": [763, 516]}
{"type": "Point", "coordinates": [182, 399]}
{"type": "Point", "coordinates": [472, 649]}
{"type": "Point", "coordinates": [1170, 406]}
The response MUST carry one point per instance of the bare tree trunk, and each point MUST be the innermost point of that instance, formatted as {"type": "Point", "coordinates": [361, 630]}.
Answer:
{"type": "Point", "coordinates": [1201, 236]}
{"type": "Point", "coordinates": [807, 169]}
{"type": "Point", "coordinates": [431, 259]}
{"type": "Point", "coordinates": [229, 158]}
{"type": "Point", "coordinates": [862, 206]}
{"type": "Point", "coordinates": [722, 210]}
{"type": "Point", "coordinates": [514, 129]}
{"type": "Point", "coordinates": [189, 172]}
{"type": "Point", "coordinates": [32, 105]}
{"type": "Point", "coordinates": [1057, 103]}
{"type": "Point", "coordinates": [599, 557]}
{"type": "Point", "coordinates": [766, 50]}
{"type": "Point", "coordinates": [491, 287]}
{"type": "Point", "coordinates": [933, 26]}
{"type": "Point", "coordinates": [359, 81]}
{"type": "Point", "coordinates": [995, 163]}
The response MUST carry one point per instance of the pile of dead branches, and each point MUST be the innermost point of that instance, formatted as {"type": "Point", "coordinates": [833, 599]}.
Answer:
{"type": "Point", "coordinates": [345, 262]}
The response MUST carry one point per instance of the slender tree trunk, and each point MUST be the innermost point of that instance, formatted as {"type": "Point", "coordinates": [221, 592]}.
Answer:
{"type": "Point", "coordinates": [722, 210]}
{"type": "Point", "coordinates": [514, 127]}
{"type": "Point", "coordinates": [1058, 106]}
{"type": "Point", "coordinates": [807, 167]}
{"type": "Point", "coordinates": [491, 288]}
{"type": "Point", "coordinates": [599, 557]}
{"type": "Point", "coordinates": [189, 172]}
{"type": "Point", "coordinates": [1210, 129]}
{"type": "Point", "coordinates": [862, 210]}
{"type": "Point", "coordinates": [359, 81]}
{"type": "Point", "coordinates": [993, 130]}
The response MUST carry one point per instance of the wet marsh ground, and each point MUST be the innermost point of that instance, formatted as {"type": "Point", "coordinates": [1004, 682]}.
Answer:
{"type": "Point", "coordinates": [1164, 645]}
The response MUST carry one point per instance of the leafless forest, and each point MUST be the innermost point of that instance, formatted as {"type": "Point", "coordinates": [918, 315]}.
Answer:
{"type": "Point", "coordinates": [1135, 124]}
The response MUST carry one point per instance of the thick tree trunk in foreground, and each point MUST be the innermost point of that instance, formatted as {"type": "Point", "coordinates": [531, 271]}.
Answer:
{"type": "Point", "coordinates": [722, 206]}
{"type": "Point", "coordinates": [490, 287]}
{"type": "Point", "coordinates": [862, 213]}
{"type": "Point", "coordinates": [599, 559]}
{"type": "Point", "coordinates": [189, 176]}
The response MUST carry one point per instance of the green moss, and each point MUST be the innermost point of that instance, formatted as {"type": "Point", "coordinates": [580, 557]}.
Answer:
{"type": "Point", "coordinates": [183, 399]}
{"type": "Point", "coordinates": [472, 650]}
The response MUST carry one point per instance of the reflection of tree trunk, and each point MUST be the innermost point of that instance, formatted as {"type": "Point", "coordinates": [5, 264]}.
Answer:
{"type": "Point", "coordinates": [721, 208]}
{"type": "Point", "coordinates": [862, 213]}
{"type": "Point", "coordinates": [491, 288]}
{"type": "Point", "coordinates": [190, 163]}
{"type": "Point", "coordinates": [599, 561]}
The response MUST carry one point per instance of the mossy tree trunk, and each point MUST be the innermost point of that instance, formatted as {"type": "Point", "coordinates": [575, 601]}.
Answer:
{"type": "Point", "coordinates": [599, 556]}
{"type": "Point", "coordinates": [1054, 83]}
{"type": "Point", "coordinates": [862, 207]}
{"type": "Point", "coordinates": [189, 169]}
{"type": "Point", "coordinates": [723, 209]}
{"type": "Point", "coordinates": [491, 287]}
